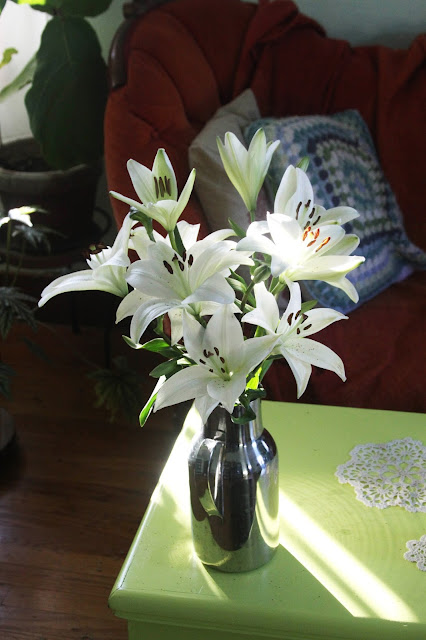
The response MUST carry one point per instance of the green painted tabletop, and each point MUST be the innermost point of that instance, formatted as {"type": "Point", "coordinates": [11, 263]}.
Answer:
{"type": "Point", "coordinates": [339, 571]}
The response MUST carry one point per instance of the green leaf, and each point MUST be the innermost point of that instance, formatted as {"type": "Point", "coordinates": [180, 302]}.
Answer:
{"type": "Point", "coordinates": [237, 229]}
{"type": "Point", "coordinates": [130, 343]}
{"type": "Point", "coordinates": [37, 350]}
{"type": "Point", "coordinates": [303, 164]}
{"type": "Point", "coordinates": [155, 345]}
{"type": "Point", "coordinates": [7, 56]}
{"type": "Point", "coordinates": [237, 285]}
{"type": "Point", "coordinates": [68, 7]}
{"type": "Point", "coordinates": [22, 79]}
{"type": "Point", "coordinates": [179, 243]}
{"type": "Point", "coordinates": [14, 307]}
{"type": "Point", "coordinates": [246, 416]}
{"type": "Point", "coordinates": [166, 351]}
{"type": "Point", "coordinates": [2, 3]}
{"type": "Point", "coordinates": [143, 219]}
{"type": "Point", "coordinates": [308, 305]}
{"type": "Point", "coordinates": [66, 101]}
{"type": "Point", "coordinates": [166, 368]}
{"type": "Point", "coordinates": [118, 389]}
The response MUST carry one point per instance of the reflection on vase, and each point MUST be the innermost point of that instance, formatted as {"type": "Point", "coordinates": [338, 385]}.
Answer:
{"type": "Point", "coordinates": [233, 478]}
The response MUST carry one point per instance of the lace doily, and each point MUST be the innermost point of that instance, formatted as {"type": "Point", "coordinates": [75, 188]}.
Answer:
{"type": "Point", "coordinates": [417, 552]}
{"type": "Point", "coordinates": [387, 475]}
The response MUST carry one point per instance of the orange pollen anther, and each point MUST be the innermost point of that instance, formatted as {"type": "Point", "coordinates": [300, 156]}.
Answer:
{"type": "Point", "coordinates": [323, 243]}
{"type": "Point", "coordinates": [305, 233]}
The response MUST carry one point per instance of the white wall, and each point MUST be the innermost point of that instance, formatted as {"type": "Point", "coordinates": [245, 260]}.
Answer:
{"type": "Point", "coordinates": [393, 23]}
{"type": "Point", "coordinates": [20, 27]}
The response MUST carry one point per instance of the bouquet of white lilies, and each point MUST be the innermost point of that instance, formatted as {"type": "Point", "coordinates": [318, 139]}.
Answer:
{"type": "Point", "coordinates": [198, 285]}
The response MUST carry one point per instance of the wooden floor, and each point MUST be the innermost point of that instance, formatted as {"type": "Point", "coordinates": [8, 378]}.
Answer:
{"type": "Point", "coordinates": [73, 493]}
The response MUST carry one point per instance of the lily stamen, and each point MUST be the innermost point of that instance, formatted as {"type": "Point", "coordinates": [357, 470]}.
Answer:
{"type": "Point", "coordinates": [323, 243]}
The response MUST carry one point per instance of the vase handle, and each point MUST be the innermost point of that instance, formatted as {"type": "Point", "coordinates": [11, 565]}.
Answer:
{"type": "Point", "coordinates": [212, 498]}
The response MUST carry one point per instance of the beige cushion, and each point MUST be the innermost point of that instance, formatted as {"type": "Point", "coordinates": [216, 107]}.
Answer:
{"type": "Point", "coordinates": [219, 199]}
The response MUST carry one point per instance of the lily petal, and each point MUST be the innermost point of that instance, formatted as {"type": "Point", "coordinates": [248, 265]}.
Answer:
{"type": "Point", "coordinates": [186, 384]}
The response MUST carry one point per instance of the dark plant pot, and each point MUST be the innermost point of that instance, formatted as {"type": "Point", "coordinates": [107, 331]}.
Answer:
{"type": "Point", "coordinates": [69, 196]}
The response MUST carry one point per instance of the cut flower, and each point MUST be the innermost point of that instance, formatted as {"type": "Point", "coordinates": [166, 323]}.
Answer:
{"type": "Point", "coordinates": [157, 190]}
{"type": "Point", "coordinates": [292, 330]}
{"type": "Point", "coordinates": [223, 360]}
{"type": "Point", "coordinates": [195, 281]}
{"type": "Point", "coordinates": [247, 169]}
{"type": "Point", "coordinates": [314, 253]}
{"type": "Point", "coordinates": [107, 270]}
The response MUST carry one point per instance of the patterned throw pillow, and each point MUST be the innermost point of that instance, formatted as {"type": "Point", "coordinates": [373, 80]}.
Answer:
{"type": "Point", "coordinates": [344, 170]}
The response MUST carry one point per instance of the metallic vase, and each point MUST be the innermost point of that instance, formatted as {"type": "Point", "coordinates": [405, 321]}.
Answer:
{"type": "Point", "coordinates": [233, 479]}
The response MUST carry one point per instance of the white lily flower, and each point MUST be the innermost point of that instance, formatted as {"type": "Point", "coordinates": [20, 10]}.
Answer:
{"type": "Point", "coordinates": [295, 198]}
{"type": "Point", "coordinates": [195, 281]}
{"type": "Point", "coordinates": [320, 253]}
{"type": "Point", "coordinates": [223, 361]}
{"type": "Point", "coordinates": [19, 214]}
{"type": "Point", "coordinates": [107, 270]}
{"type": "Point", "coordinates": [157, 190]}
{"type": "Point", "coordinates": [247, 169]}
{"type": "Point", "coordinates": [291, 331]}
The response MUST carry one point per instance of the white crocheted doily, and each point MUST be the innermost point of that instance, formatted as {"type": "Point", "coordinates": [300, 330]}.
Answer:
{"type": "Point", "coordinates": [417, 552]}
{"type": "Point", "coordinates": [388, 475]}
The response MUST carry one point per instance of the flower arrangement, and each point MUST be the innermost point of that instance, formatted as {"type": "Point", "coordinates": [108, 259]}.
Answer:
{"type": "Point", "coordinates": [215, 300]}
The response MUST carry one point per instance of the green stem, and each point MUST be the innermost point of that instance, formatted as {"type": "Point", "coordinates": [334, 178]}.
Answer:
{"type": "Point", "coordinates": [173, 241]}
{"type": "Point", "coordinates": [252, 215]}
{"type": "Point", "coordinates": [246, 295]}
{"type": "Point", "coordinates": [280, 286]}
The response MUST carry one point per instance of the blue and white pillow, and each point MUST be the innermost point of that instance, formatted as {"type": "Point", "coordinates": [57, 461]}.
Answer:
{"type": "Point", "coordinates": [344, 170]}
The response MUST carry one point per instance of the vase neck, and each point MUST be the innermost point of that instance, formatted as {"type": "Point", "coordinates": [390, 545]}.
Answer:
{"type": "Point", "coordinates": [219, 426]}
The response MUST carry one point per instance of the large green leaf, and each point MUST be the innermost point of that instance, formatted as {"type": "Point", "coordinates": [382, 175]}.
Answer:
{"type": "Point", "coordinates": [67, 7]}
{"type": "Point", "coordinates": [22, 79]}
{"type": "Point", "coordinates": [66, 101]}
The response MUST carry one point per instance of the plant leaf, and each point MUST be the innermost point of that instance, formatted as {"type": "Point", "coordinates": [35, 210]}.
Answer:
{"type": "Point", "coordinates": [7, 56]}
{"type": "Point", "coordinates": [118, 389]}
{"type": "Point", "coordinates": [67, 98]}
{"type": "Point", "coordinates": [155, 345]}
{"type": "Point", "coordinates": [146, 411]}
{"type": "Point", "coordinates": [166, 368]}
{"type": "Point", "coordinates": [68, 7]}
{"type": "Point", "coordinates": [22, 79]}
{"type": "Point", "coordinates": [14, 307]}
{"type": "Point", "coordinates": [237, 229]}
{"type": "Point", "coordinates": [308, 305]}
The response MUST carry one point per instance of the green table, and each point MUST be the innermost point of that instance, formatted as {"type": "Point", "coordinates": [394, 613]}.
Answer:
{"type": "Point", "coordinates": [339, 572]}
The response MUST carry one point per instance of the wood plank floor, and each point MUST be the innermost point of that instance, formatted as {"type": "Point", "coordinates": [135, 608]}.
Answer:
{"type": "Point", "coordinates": [74, 491]}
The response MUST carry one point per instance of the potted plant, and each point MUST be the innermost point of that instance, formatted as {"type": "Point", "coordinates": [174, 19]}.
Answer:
{"type": "Point", "coordinates": [58, 169]}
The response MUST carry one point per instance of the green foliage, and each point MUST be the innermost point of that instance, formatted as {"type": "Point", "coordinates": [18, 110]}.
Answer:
{"type": "Point", "coordinates": [24, 78]}
{"type": "Point", "coordinates": [68, 7]}
{"type": "Point", "coordinates": [118, 389]}
{"type": "Point", "coordinates": [69, 86]}
{"type": "Point", "coordinates": [167, 368]}
{"type": "Point", "coordinates": [15, 306]}
{"type": "Point", "coordinates": [67, 98]}
{"type": "Point", "coordinates": [239, 232]}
